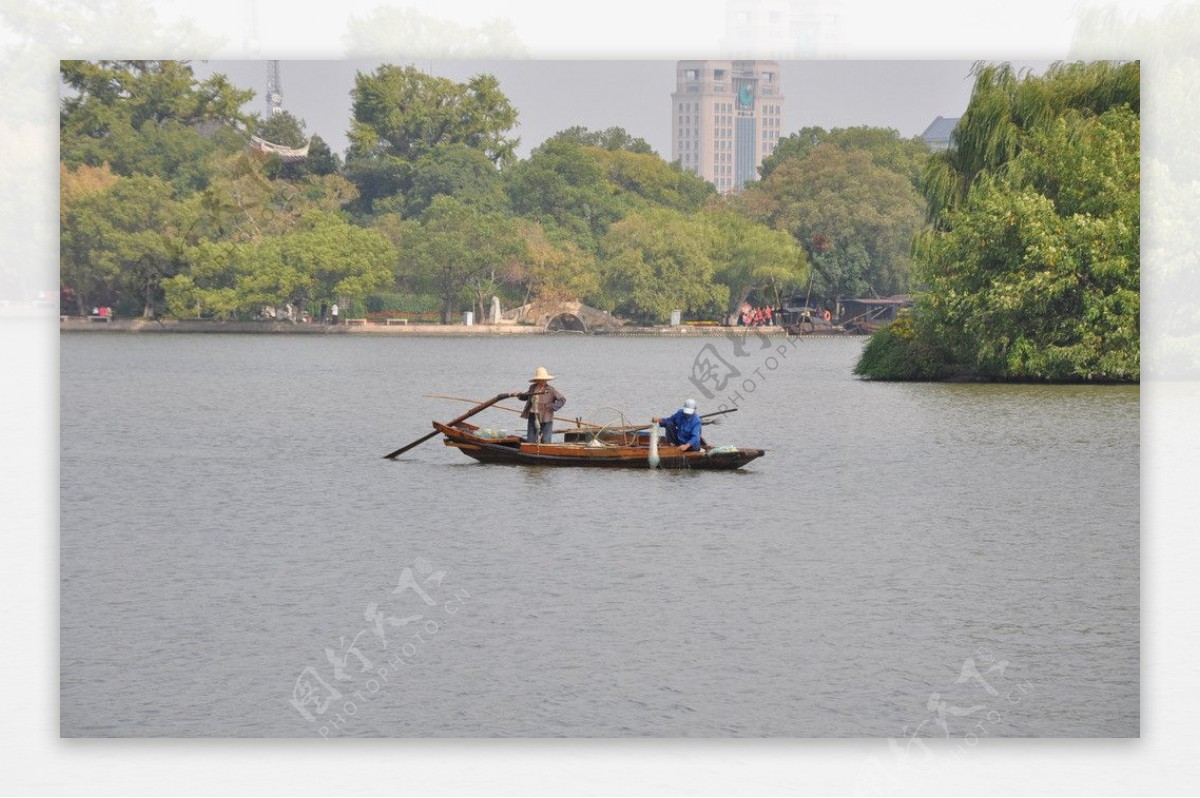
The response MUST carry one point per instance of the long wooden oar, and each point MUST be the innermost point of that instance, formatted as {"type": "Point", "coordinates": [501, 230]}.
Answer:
{"type": "Point", "coordinates": [464, 417]}
{"type": "Point", "coordinates": [575, 421]}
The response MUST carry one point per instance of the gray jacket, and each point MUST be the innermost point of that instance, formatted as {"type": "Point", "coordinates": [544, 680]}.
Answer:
{"type": "Point", "coordinates": [545, 401]}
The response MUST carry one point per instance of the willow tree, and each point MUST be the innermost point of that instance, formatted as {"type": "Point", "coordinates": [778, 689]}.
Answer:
{"type": "Point", "coordinates": [1032, 260]}
{"type": "Point", "coordinates": [1006, 106]}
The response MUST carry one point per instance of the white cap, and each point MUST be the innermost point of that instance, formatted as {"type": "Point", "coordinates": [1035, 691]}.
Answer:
{"type": "Point", "coordinates": [689, 406]}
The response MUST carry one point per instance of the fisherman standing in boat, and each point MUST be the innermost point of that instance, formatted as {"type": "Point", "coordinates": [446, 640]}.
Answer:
{"type": "Point", "coordinates": [683, 427]}
{"type": "Point", "coordinates": [542, 401]}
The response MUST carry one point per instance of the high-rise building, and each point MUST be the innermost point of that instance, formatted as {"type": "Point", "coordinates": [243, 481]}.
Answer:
{"type": "Point", "coordinates": [726, 116]}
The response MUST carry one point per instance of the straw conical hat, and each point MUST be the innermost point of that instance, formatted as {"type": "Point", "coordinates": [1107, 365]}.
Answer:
{"type": "Point", "coordinates": [541, 374]}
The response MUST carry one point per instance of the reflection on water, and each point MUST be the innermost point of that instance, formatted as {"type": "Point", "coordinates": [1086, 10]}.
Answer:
{"type": "Point", "coordinates": [233, 543]}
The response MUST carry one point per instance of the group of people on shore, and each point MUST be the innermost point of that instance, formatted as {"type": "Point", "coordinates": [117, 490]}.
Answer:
{"type": "Point", "coordinates": [765, 316]}
{"type": "Point", "coordinates": [542, 401]}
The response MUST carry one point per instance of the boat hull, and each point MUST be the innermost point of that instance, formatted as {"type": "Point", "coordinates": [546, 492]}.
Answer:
{"type": "Point", "coordinates": [515, 451]}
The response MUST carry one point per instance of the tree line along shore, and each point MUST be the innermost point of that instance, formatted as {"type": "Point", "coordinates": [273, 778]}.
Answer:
{"type": "Point", "coordinates": [1019, 243]}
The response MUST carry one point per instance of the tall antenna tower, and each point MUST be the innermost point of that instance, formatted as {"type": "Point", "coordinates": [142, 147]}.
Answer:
{"type": "Point", "coordinates": [274, 89]}
{"type": "Point", "coordinates": [274, 93]}
{"type": "Point", "coordinates": [251, 43]}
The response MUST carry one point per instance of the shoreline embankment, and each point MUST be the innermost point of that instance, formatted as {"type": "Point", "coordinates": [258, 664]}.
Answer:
{"type": "Point", "coordinates": [75, 324]}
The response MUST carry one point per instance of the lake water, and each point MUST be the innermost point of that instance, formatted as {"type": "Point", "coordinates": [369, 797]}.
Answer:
{"type": "Point", "coordinates": [237, 558]}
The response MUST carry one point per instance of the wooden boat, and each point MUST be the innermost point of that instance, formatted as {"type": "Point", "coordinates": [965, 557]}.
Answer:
{"type": "Point", "coordinates": [605, 447]}
{"type": "Point", "coordinates": [609, 451]}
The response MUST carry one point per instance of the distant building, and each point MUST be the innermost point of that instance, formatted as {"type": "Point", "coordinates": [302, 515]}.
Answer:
{"type": "Point", "coordinates": [726, 116]}
{"type": "Point", "coordinates": [937, 135]}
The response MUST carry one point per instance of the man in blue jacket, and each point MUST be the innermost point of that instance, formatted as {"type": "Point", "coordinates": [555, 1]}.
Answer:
{"type": "Point", "coordinates": [683, 427]}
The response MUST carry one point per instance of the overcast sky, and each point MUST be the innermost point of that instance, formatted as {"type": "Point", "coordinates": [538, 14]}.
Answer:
{"type": "Point", "coordinates": [636, 95]}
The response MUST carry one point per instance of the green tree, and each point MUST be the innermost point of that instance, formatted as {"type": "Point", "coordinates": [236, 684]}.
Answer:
{"type": "Point", "coordinates": [636, 179]}
{"type": "Point", "coordinates": [457, 250]}
{"type": "Point", "coordinates": [209, 287]}
{"type": "Point", "coordinates": [328, 192]}
{"type": "Point", "coordinates": [458, 171]}
{"type": "Point", "coordinates": [561, 186]}
{"type": "Point", "coordinates": [321, 159]}
{"type": "Point", "coordinates": [130, 235]}
{"type": "Point", "coordinates": [80, 276]}
{"type": "Point", "coordinates": [282, 128]}
{"type": "Point", "coordinates": [135, 92]}
{"type": "Point", "coordinates": [793, 147]}
{"type": "Point", "coordinates": [1005, 105]}
{"type": "Point", "coordinates": [322, 258]}
{"type": "Point", "coordinates": [242, 202]}
{"type": "Point", "coordinates": [381, 181]}
{"type": "Point", "coordinates": [752, 257]}
{"type": "Point", "coordinates": [612, 139]}
{"type": "Point", "coordinates": [579, 189]}
{"type": "Point", "coordinates": [405, 113]}
{"type": "Point", "coordinates": [659, 260]}
{"type": "Point", "coordinates": [148, 117]}
{"type": "Point", "coordinates": [854, 218]}
{"type": "Point", "coordinates": [884, 146]}
{"type": "Point", "coordinates": [1033, 263]}
{"type": "Point", "coordinates": [595, 207]}
{"type": "Point", "coordinates": [555, 271]}
{"type": "Point", "coordinates": [401, 115]}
